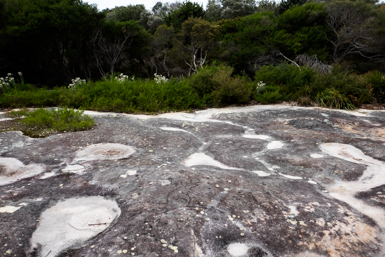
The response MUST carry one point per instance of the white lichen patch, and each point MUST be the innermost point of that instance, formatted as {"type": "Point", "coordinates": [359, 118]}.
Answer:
{"type": "Point", "coordinates": [76, 168]}
{"type": "Point", "coordinates": [173, 129]}
{"type": "Point", "coordinates": [261, 173]}
{"type": "Point", "coordinates": [274, 145]}
{"type": "Point", "coordinates": [5, 119]}
{"type": "Point", "coordinates": [293, 210]}
{"type": "Point", "coordinates": [12, 169]}
{"type": "Point", "coordinates": [128, 173]}
{"type": "Point", "coordinates": [197, 159]}
{"type": "Point", "coordinates": [9, 209]}
{"type": "Point", "coordinates": [237, 249]}
{"type": "Point", "coordinates": [165, 182]}
{"type": "Point", "coordinates": [47, 175]}
{"type": "Point", "coordinates": [289, 176]}
{"type": "Point", "coordinates": [108, 151]}
{"type": "Point", "coordinates": [131, 172]}
{"type": "Point", "coordinates": [263, 137]}
{"type": "Point", "coordinates": [316, 155]}
{"type": "Point", "coordinates": [71, 222]}
{"type": "Point", "coordinates": [373, 176]}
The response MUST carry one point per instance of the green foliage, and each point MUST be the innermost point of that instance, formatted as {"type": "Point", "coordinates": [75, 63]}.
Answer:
{"type": "Point", "coordinates": [188, 9]}
{"type": "Point", "coordinates": [130, 13]}
{"type": "Point", "coordinates": [46, 38]}
{"type": "Point", "coordinates": [229, 90]}
{"type": "Point", "coordinates": [354, 25]}
{"type": "Point", "coordinates": [202, 81]}
{"type": "Point", "coordinates": [201, 32]}
{"type": "Point", "coordinates": [332, 98]}
{"type": "Point", "coordinates": [60, 120]}
{"type": "Point", "coordinates": [375, 82]}
{"type": "Point", "coordinates": [289, 78]}
{"type": "Point", "coordinates": [285, 5]}
{"type": "Point", "coordinates": [237, 8]}
{"type": "Point", "coordinates": [269, 94]}
{"type": "Point", "coordinates": [351, 85]}
{"type": "Point", "coordinates": [141, 96]}
{"type": "Point", "coordinates": [213, 10]}
{"type": "Point", "coordinates": [302, 29]}
{"type": "Point", "coordinates": [246, 38]}
{"type": "Point", "coordinates": [222, 89]}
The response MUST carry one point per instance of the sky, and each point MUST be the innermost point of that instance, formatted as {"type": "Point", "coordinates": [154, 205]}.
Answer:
{"type": "Point", "coordinates": [103, 4]}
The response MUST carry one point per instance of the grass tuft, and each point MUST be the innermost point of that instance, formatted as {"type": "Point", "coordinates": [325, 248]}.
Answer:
{"type": "Point", "coordinates": [43, 122]}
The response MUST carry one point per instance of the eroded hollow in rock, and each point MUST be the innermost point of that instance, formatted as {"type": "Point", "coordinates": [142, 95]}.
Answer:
{"type": "Point", "coordinates": [109, 151]}
{"type": "Point", "coordinates": [12, 169]}
{"type": "Point", "coordinates": [70, 223]}
{"type": "Point", "coordinates": [237, 249]}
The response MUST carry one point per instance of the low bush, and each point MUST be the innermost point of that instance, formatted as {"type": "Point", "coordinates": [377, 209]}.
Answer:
{"type": "Point", "coordinates": [332, 98]}
{"type": "Point", "coordinates": [289, 78]}
{"type": "Point", "coordinates": [375, 82]}
{"type": "Point", "coordinates": [348, 85]}
{"type": "Point", "coordinates": [212, 86]}
{"type": "Point", "coordinates": [45, 122]}
{"type": "Point", "coordinates": [140, 96]}
{"type": "Point", "coordinates": [269, 95]}
{"type": "Point", "coordinates": [217, 84]}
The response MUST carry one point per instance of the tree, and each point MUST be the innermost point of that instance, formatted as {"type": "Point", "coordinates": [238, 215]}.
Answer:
{"type": "Point", "coordinates": [108, 52]}
{"type": "Point", "coordinates": [130, 12]}
{"type": "Point", "coordinates": [214, 10]}
{"type": "Point", "coordinates": [353, 29]}
{"type": "Point", "coordinates": [237, 8]}
{"type": "Point", "coordinates": [302, 29]}
{"type": "Point", "coordinates": [188, 9]}
{"type": "Point", "coordinates": [203, 36]}
{"type": "Point", "coordinates": [246, 39]}
{"type": "Point", "coordinates": [47, 39]}
{"type": "Point", "coordinates": [160, 61]}
{"type": "Point", "coordinates": [286, 5]}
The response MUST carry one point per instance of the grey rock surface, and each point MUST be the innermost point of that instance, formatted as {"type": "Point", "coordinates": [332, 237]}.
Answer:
{"type": "Point", "coordinates": [250, 181]}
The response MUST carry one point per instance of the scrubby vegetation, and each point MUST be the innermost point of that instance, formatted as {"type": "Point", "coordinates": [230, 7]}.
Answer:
{"type": "Point", "coordinates": [181, 56]}
{"type": "Point", "coordinates": [42, 122]}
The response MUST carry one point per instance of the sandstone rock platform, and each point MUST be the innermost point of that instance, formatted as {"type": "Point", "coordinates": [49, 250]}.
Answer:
{"type": "Point", "coordinates": [252, 181]}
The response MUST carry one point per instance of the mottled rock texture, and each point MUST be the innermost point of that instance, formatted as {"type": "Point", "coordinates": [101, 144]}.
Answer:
{"type": "Point", "coordinates": [253, 181]}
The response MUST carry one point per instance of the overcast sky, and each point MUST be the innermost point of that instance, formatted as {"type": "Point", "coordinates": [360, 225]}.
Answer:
{"type": "Point", "coordinates": [103, 4]}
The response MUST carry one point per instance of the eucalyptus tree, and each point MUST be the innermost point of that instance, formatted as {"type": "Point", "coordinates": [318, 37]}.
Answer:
{"type": "Point", "coordinates": [355, 29]}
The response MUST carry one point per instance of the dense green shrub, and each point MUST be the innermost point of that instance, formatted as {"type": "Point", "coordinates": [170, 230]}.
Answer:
{"type": "Point", "coordinates": [217, 84]}
{"type": "Point", "coordinates": [269, 95]}
{"type": "Point", "coordinates": [229, 90]}
{"type": "Point", "coordinates": [202, 81]}
{"type": "Point", "coordinates": [348, 85]}
{"type": "Point", "coordinates": [289, 78]}
{"type": "Point", "coordinates": [375, 82]}
{"type": "Point", "coordinates": [331, 98]}
{"type": "Point", "coordinates": [60, 120]}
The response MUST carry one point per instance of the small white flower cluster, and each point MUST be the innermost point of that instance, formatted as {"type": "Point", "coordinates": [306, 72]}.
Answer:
{"type": "Point", "coordinates": [160, 79]}
{"type": "Point", "coordinates": [8, 81]}
{"type": "Point", "coordinates": [121, 77]}
{"type": "Point", "coordinates": [77, 82]}
{"type": "Point", "coordinates": [260, 84]}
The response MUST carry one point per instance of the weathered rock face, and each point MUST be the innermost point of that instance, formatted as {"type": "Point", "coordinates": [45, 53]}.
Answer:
{"type": "Point", "coordinates": [255, 181]}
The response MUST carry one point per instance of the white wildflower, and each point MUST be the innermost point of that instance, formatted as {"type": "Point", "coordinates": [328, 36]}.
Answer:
{"type": "Point", "coordinates": [77, 82]}
{"type": "Point", "coordinates": [160, 79]}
